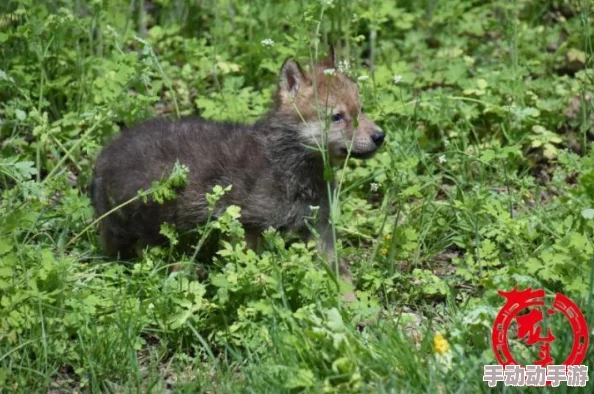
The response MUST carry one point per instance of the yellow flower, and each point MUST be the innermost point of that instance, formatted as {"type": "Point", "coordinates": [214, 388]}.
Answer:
{"type": "Point", "coordinates": [440, 344]}
{"type": "Point", "coordinates": [384, 251]}
{"type": "Point", "coordinates": [387, 237]}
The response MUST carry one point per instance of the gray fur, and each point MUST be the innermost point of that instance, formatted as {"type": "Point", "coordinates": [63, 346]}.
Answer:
{"type": "Point", "coordinates": [275, 177]}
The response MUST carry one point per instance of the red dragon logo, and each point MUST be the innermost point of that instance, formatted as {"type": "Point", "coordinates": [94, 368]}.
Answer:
{"type": "Point", "coordinates": [530, 331]}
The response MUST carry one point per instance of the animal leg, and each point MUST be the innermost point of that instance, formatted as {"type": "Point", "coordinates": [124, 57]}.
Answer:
{"type": "Point", "coordinates": [326, 248]}
{"type": "Point", "coordinates": [252, 239]}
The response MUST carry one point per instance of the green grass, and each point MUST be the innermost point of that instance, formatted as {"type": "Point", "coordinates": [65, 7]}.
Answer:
{"type": "Point", "coordinates": [486, 182]}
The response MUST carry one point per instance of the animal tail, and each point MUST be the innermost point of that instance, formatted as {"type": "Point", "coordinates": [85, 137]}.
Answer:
{"type": "Point", "coordinates": [101, 205]}
{"type": "Point", "coordinates": [114, 240]}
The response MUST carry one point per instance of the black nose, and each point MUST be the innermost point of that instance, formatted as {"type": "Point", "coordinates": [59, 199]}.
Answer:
{"type": "Point", "coordinates": [378, 137]}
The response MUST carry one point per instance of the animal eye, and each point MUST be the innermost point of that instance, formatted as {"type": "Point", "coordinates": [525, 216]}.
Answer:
{"type": "Point", "coordinates": [337, 117]}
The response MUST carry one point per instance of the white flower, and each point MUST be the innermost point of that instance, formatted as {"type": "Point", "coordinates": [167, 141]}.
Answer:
{"type": "Point", "coordinates": [330, 71]}
{"type": "Point", "coordinates": [363, 78]}
{"type": "Point", "coordinates": [442, 159]}
{"type": "Point", "coordinates": [267, 43]}
{"type": "Point", "coordinates": [397, 79]}
{"type": "Point", "coordinates": [374, 187]}
{"type": "Point", "coordinates": [344, 66]}
{"type": "Point", "coordinates": [327, 3]}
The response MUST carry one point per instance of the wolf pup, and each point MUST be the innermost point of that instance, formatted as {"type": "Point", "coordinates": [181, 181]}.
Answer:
{"type": "Point", "coordinates": [275, 167]}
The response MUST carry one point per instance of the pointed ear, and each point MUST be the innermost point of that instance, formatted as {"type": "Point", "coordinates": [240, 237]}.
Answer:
{"type": "Point", "coordinates": [291, 76]}
{"type": "Point", "coordinates": [330, 60]}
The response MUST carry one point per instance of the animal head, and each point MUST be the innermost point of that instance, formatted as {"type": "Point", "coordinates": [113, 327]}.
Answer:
{"type": "Point", "coordinates": [325, 106]}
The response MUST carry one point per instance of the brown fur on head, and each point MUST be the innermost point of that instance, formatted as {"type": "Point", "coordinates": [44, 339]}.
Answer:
{"type": "Point", "coordinates": [326, 105]}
